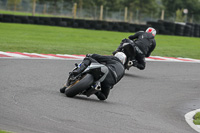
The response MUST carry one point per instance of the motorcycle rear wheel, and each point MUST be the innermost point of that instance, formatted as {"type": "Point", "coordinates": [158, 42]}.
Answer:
{"type": "Point", "coordinates": [79, 86]}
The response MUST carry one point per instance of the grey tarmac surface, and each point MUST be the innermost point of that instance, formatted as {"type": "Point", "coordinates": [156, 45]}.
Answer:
{"type": "Point", "coordinates": [154, 100]}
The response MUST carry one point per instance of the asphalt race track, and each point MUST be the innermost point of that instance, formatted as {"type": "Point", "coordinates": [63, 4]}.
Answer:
{"type": "Point", "coordinates": [151, 101]}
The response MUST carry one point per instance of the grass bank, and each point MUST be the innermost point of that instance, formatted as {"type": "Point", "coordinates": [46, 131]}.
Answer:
{"type": "Point", "coordinates": [1, 131]}
{"type": "Point", "coordinates": [62, 40]}
{"type": "Point", "coordinates": [197, 118]}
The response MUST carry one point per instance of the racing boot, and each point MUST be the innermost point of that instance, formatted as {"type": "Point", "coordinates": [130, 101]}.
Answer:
{"type": "Point", "coordinates": [100, 95]}
{"type": "Point", "coordinates": [81, 67]}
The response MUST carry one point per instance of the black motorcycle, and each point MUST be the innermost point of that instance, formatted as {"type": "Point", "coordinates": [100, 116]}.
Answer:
{"type": "Point", "coordinates": [87, 82]}
{"type": "Point", "coordinates": [127, 47]}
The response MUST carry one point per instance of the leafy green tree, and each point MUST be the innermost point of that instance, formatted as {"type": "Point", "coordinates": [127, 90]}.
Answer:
{"type": "Point", "coordinates": [171, 6]}
{"type": "Point", "coordinates": [13, 4]}
{"type": "Point", "coordinates": [179, 16]}
{"type": "Point", "coordinates": [143, 5]}
{"type": "Point", "coordinates": [55, 6]}
{"type": "Point", "coordinates": [147, 8]}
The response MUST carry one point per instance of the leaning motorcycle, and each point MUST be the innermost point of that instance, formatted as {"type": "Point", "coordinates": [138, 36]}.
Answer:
{"type": "Point", "coordinates": [87, 82]}
{"type": "Point", "coordinates": [127, 48]}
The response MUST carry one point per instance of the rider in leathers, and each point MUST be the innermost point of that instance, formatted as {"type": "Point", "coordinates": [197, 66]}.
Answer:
{"type": "Point", "coordinates": [143, 44]}
{"type": "Point", "coordinates": [115, 67]}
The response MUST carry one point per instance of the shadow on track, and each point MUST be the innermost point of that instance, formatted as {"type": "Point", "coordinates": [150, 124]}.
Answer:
{"type": "Point", "coordinates": [89, 99]}
{"type": "Point", "coordinates": [135, 76]}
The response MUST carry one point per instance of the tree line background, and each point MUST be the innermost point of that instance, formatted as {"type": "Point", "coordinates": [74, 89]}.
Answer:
{"type": "Point", "coordinates": [138, 10]}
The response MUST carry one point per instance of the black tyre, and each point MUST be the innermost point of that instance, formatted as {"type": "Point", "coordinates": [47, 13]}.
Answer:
{"type": "Point", "coordinates": [79, 86]}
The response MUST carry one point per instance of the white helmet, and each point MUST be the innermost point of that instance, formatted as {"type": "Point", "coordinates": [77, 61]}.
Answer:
{"type": "Point", "coordinates": [121, 56]}
{"type": "Point", "coordinates": [151, 30]}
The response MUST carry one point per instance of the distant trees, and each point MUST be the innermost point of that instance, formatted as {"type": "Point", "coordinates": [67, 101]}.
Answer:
{"type": "Point", "coordinates": [137, 7]}
{"type": "Point", "coordinates": [172, 6]}
{"type": "Point", "coordinates": [13, 4]}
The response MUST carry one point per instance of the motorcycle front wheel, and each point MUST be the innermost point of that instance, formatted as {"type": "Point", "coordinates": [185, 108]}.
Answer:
{"type": "Point", "coordinates": [79, 86]}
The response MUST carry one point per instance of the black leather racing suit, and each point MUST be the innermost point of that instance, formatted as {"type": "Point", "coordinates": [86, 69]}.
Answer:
{"type": "Point", "coordinates": [116, 72]}
{"type": "Point", "coordinates": [144, 45]}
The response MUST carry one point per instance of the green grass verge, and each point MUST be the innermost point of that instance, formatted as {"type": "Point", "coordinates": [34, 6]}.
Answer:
{"type": "Point", "coordinates": [2, 131]}
{"type": "Point", "coordinates": [62, 40]}
{"type": "Point", "coordinates": [197, 118]}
